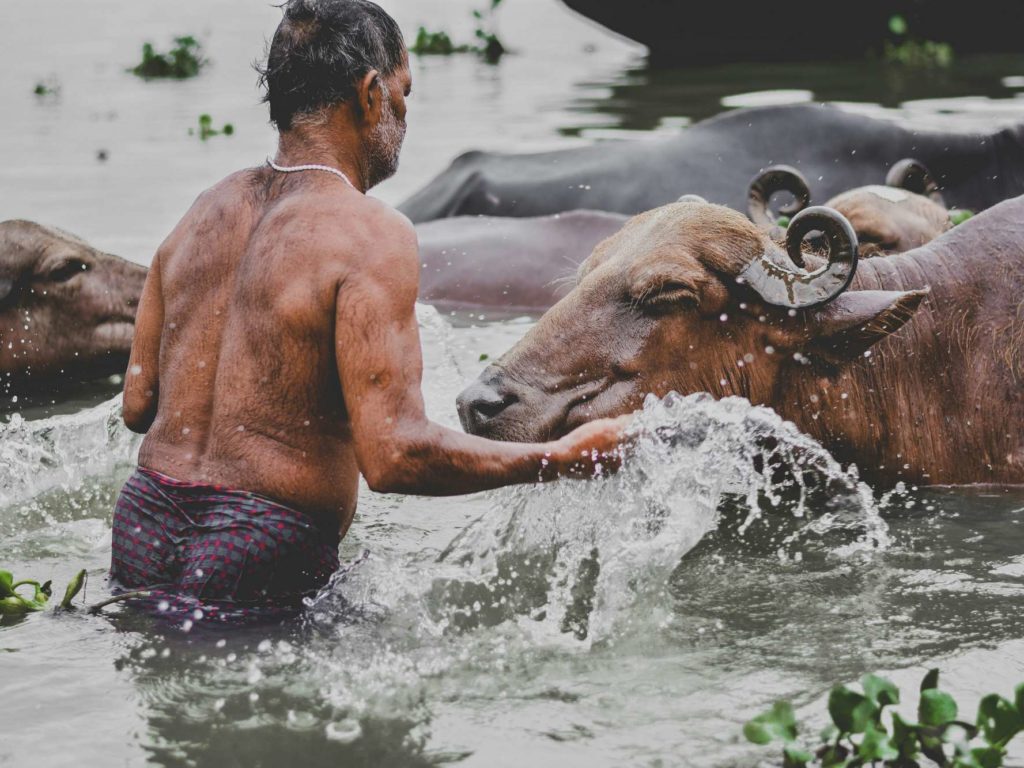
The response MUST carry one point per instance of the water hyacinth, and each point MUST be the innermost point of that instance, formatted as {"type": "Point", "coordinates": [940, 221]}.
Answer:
{"type": "Point", "coordinates": [865, 731]}
{"type": "Point", "coordinates": [15, 603]}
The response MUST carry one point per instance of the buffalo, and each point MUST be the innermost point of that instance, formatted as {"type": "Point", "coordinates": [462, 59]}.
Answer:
{"type": "Point", "coordinates": [910, 366]}
{"type": "Point", "coordinates": [511, 264]}
{"type": "Point", "coordinates": [67, 310]}
{"type": "Point", "coordinates": [717, 158]}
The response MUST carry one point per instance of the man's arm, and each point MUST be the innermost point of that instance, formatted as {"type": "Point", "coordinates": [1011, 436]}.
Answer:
{"type": "Point", "coordinates": [380, 366]}
{"type": "Point", "coordinates": [142, 380]}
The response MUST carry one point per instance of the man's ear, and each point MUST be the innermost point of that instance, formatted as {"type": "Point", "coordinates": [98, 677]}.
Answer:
{"type": "Point", "coordinates": [370, 96]}
{"type": "Point", "coordinates": [849, 325]}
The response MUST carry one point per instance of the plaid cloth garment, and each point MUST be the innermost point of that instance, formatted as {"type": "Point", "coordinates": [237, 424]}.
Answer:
{"type": "Point", "coordinates": [205, 552]}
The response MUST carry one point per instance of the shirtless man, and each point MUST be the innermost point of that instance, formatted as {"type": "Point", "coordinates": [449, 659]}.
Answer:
{"type": "Point", "coordinates": [276, 354]}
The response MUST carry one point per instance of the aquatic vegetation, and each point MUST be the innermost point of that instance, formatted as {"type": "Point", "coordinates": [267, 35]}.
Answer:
{"type": "Point", "coordinates": [435, 44]}
{"type": "Point", "coordinates": [183, 61]}
{"type": "Point", "coordinates": [439, 43]}
{"type": "Point", "coordinates": [490, 46]}
{"type": "Point", "coordinates": [206, 129]}
{"type": "Point", "coordinates": [13, 603]}
{"type": "Point", "coordinates": [908, 52]}
{"type": "Point", "coordinates": [48, 87]}
{"type": "Point", "coordinates": [864, 731]}
{"type": "Point", "coordinates": [959, 215]}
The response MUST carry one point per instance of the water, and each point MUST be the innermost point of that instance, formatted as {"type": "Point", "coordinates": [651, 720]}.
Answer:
{"type": "Point", "coordinates": [632, 621]}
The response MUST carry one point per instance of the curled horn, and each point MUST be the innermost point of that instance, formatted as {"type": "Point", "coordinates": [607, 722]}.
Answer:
{"type": "Point", "coordinates": [779, 284]}
{"type": "Point", "coordinates": [691, 199]}
{"type": "Point", "coordinates": [777, 178]}
{"type": "Point", "coordinates": [913, 176]}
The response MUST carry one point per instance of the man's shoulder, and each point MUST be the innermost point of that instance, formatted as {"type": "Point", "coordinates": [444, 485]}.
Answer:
{"type": "Point", "coordinates": [358, 227]}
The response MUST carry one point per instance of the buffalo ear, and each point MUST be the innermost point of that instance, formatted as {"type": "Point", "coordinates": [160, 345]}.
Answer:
{"type": "Point", "coordinates": [854, 321]}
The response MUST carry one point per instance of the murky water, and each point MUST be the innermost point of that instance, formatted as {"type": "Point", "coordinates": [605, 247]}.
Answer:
{"type": "Point", "coordinates": [634, 621]}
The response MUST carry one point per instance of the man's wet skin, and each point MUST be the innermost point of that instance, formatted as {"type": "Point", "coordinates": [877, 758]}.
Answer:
{"type": "Point", "coordinates": [277, 348]}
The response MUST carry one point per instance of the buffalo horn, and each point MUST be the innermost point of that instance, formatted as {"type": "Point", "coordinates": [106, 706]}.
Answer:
{"type": "Point", "coordinates": [913, 176]}
{"type": "Point", "coordinates": [777, 178]}
{"type": "Point", "coordinates": [782, 286]}
{"type": "Point", "coordinates": [691, 199]}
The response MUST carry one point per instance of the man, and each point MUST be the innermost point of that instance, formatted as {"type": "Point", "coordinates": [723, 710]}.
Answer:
{"type": "Point", "coordinates": [276, 355]}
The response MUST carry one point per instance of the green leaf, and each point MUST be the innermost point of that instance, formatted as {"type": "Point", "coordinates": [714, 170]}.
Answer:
{"type": "Point", "coordinates": [998, 719]}
{"type": "Point", "coordinates": [988, 757]}
{"type": "Point", "coordinates": [74, 587]}
{"type": "Point", "coordinates": [6, 584]}
{"type": "Point", "coordinates": [850, 711]}
{"type": "Point", "coordinates": [783, 221]}
{"type": "Point", "coordinates": [777, 723]}
{"type": "Point", "coordinates": [931, 680]}
{"type": "Point", "coordinates": [1019, 698]}
{"type": "Point", "coordinates": [875, 745]}
{"type": "Point", "coordinates": [484, 356]}
{"type": "Point", "coordinates": [960, 215]}
{"type": "Point", "coordinates": [904, 737]}
{"type": "Point", "coordinates": [14, 606]}
{"type": "Point", "coordinates": [794, 756]}
{"type": "Point", "coordinates": [834, 756]}
{"type": "Point", "coordinates": [897, 25]}
{"type": "Point", "coordinates": [936, 707]}
{"type": "Point", "coordinates": [880, 690]}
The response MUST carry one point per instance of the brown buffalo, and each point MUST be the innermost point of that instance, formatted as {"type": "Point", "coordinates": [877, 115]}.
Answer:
{"type": "Point", "coordinates": [67, 310]}
{"type": "Point", "coordinates": [907, 212]}
{"type": "Point", "coordinates": [915, 372]}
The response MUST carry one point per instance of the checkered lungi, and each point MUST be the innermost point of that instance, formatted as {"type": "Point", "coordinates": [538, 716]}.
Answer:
{"type": "Point", "coordinates": [205, 552]}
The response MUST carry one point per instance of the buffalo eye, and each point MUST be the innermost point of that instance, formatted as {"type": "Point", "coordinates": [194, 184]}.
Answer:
{"type": "Point", "coordinates": [670, 295]}
{"type": "Point", "coordinates": [66, 270]}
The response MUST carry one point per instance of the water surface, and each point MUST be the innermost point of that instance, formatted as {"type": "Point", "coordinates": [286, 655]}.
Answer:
{"type": "Point", "coordinates": [637, 621]}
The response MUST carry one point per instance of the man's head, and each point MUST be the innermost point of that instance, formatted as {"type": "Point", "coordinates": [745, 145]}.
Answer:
{"type": "Point", "coordinates": [328, 54]}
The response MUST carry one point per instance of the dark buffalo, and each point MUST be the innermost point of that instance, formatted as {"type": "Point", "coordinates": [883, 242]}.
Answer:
{"type": "Point", "coordinates": [914, 370]}
{"type": "Point", "coordinates": [716, 159]}
{"type": "Point", "coordinates": [511, 264]}
{"type": "Point", "coordinates": [67, 310]}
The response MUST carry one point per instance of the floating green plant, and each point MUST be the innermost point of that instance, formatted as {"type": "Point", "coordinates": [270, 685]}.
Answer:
{"type": "Point", "coordinates": [922, 54]}
{"type": "Point", "coordinates": [435, 44]}
{"type": "Point", "coordinates": [439, 43]}
{"type": "Point", "coordinates": [864, 732]}
{"type": "Point", "coordinates": [17, 603]}
{"type": "Point", "coordinates": [47, 87]}
{"type": "Point", "coordinates": [183, 61]}
{"type": "Point", "coordinates": [959, 215]}
{"type": "Point", "coordinates": [206, 129]}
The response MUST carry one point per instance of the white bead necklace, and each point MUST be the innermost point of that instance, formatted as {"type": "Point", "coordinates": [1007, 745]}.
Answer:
{"type": "Point", "coordinates": [312, 167]}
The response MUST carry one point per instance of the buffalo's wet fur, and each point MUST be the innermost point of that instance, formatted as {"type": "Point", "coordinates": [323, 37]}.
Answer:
{"type": "Point", "coordinates": [66, 309]}
{"type": "Point", "coordinates": [913, 373]}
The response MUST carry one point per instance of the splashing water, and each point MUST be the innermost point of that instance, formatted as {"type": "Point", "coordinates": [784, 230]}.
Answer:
{"type": "Point", "coordinates": [577, 559]}
{"type": "Point", "coordinates": [62, 451]}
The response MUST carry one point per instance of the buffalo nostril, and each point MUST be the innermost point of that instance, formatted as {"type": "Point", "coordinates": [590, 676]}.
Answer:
{"type": "Point", "coordinates": [480, 403]}
{"type": "Point", "coordinates": [491, 408]}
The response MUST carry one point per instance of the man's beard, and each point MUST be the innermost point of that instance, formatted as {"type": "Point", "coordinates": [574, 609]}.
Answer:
{"type": "Point", "coordinates": [384, 146]}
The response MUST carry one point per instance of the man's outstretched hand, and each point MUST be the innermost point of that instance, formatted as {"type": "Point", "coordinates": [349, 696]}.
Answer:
{"type": "Point", "coordinates": [592, 449]}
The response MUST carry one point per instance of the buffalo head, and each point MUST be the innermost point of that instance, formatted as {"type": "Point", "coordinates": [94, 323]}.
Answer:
{"type": "Point", "coordinates": [688, 297]}
{"type": "Point", "coordinates": [67, 310]}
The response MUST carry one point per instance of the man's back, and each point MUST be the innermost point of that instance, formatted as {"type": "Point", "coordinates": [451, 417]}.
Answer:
{"type": "Point", "coordinates": [249, 389]}
{"type": "Point", "coordinates": [276, 354]}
